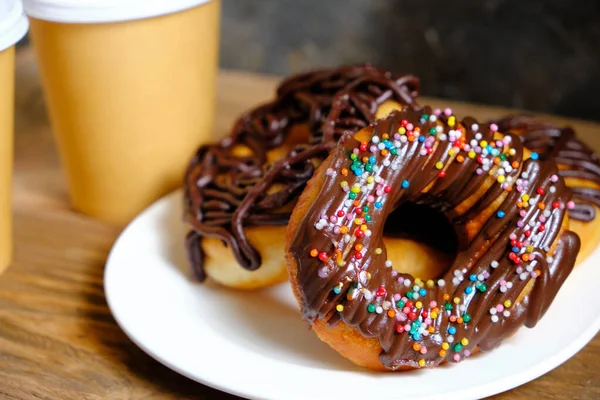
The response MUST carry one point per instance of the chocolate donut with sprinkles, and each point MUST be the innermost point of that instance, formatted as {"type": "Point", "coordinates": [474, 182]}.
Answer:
{"type": "Point", "coordinates": [508, 209]}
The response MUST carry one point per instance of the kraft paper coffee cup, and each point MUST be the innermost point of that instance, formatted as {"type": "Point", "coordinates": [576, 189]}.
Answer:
{"type": "Point", "coordinates": [130, 89]}
{"type": "Point", "coordinates": [13, 26]}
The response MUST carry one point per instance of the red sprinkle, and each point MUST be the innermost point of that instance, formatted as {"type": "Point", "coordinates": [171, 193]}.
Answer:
{"type": "Point", "coordinates": [404, 122]}
{"type": "Point", "coordinates": [358, 210]}
{"type": "Point", "coordinates": [387, 189]}
{"type": "Point", "coordinates": [528, 232]}
{"type": "Point", "coordinates": [540, 191]}
{"type": "Point", "coordinates": [442, 174]}
{"type": "Point", "coordinates": [358, 255]}
{"type": "Point", "coordinates": [363, 146]}
{"type": "Point", "coordinates": [399, 328]}
{"type": "Point", "coordinates": [412, 315]}
{"type": "Point", "coordinates": [341, 213]}
{"type": "Point", "coordinates": [359, 233]}
{"type": "Point", "coordinates": [542, 228]}
{"type": "Point", "coordinates": [410, 304]}
{"type": "Point", "coordinates": [555, 204]}
{"type": "Point", "coordinates": [323, 256]}
{"type": "Point", "coordinates": [381, 291]}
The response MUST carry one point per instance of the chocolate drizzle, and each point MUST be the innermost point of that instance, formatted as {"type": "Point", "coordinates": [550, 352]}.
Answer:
{"type": "Point", "coordinates": [578, 160]}
{"type": "Point", "coordinates": [231, 185]}
{"type": "Point", "coordinates": [516, 243]}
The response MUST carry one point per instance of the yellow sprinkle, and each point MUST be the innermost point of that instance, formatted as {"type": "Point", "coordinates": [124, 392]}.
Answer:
{"type": "Point", "coordinates": [378, 250]}
{"type": "Point", "coordinates": [451, 121]}
{"type": "Point", "coordinates": [402, 130]}
{"type": "Point", "coordinates": [363, 228]}
{"type": "Point", "coordinates": [419, 305]}
{"type": "Point", "coordinates": [368, 275]}
{"type": "Point", "coordinates": [439, 165]}
{"type": "Point", "coordinates": [445, 346]}
{"type": "Point", "coordinates": [343, 229]}
{"type": "Point", "coordinates": [343, 183]}
{"type": "Point", "coordinates": [421, 363]}
{"type": "Point", "coordinates": [418, 281]}
{"type": "Point", "coordinates": [442, 353]}
{"type": "Point", "coordinates": [525, 197]}
{"type": "Point", "coordinates": [512, 152]}
{"type": "Point", "coordinates": [530, 249]}
{"type": "Point", "coordinates": [433, 315]}
{"type": "Point", "coordinates": [339, 307]}
{"type": "Point", "coordinates": [358, 221]}
{"type": "Point", "coordinates": [472, 154]}
{"type": "Point", "coordinates": [483, 143]}
{"type": "Point", "coordinates": [451, 152]}
{"type": "Point", "coordinates": [464, 341]}
{"type": "Point", "coordinates": [456, 300]}
{"type": "Point", "coordinates": [370, 179]}
{"type": "Point", "coordinates": [430, 283]}
{"type": "Point", "coordinates": [507, 303]}
{"type": "Point", "coordinates": [340, 262]}
{"type": "Point", "coordinates": [501, 178]}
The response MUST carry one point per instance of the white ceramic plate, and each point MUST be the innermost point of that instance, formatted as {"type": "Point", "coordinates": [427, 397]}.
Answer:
{"type": "Point", "coordinates": [255, 345]}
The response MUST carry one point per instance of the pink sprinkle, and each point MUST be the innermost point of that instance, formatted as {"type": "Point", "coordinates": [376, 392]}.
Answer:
{"type": "Point", "coordinates": [523, 213]}
{"type": "Point", "coordinates": [336, 229]}
{"type": "Point", "coordinates": [571, 205]}
{"type": "Point", "coordinates": [428, 321]}
{"type": "Point", "coordinates": [423, 152]}
{"type": "Point", "coordinates": [499, 143]}
{"type": "Point", "coordinates": [542, 219]}
{"type": "Point", "coordinates": [373, 149]}
{"type": "Point", "coordinates": [401, 279]}
{"type": "Point", "coordinates": [519, 270]}
{"type": "Point", "coordinates": [477, 149]}
{"type": "Point", "coordinates": [397, 297]}
{"type": "Point", "coordinates": [448, 112]}
{"type": "Point", "coordinates": [407, 328]}
{"type": "Point", "coordinates": [467, 147]}
{"type": "Point", "coordinates": [520, 224]}
{"type": "Point", "coordinates": [409, 127]}
{"type": "Point", "coordinates": [370, 198]}
{"type": "Point", "coordinates": [467, 353]}
{"type": "Point", "coordinates": [423, 350]}
{"type": "Point", "coordinates": [499, 308]}
{"type": "Point", "coordinates": [456, 357]}
{"type": "Point", "coordinates": [486, 275]}
{"type": "Point", "coordinates": [479, 171]}
{"type": "Point", "coordinates": [519, 188]}
{"type": "Point", "coordinates": [406, 310]}
{"type": "Point", "coordinates": [333, 219]}
{"type": "Point", "coordinates": [493, 127]}
{"type": "Point", "coordinates": [401, 317]}
{"type": "Point", "coordinates": [532, 256]}
{"type": "Point", "coordinates": [356, 151]}
{"type": "Point", "coordinates": [433, 304]}
{"type": "Point", "coordinates": [502, 282]}
{"type": "Point", "coordinates": [554, 178]}
{"type": "Point", "coordinates": [322, 273]}
{"type": "Point", "coordinates": [329, 172]}
{"type": "Point", "coordinates": [397, 136]}
{"type": "Point", "coordinates": [437, 112]}
{"type": "Point", "coordinates": [513, 236]}
{"type": "Point", "coordinates": [394, 273]}
{"type": "Point", "coordinates": [379, 192]}
{"type": "Point", "coordinates": [533, 274]}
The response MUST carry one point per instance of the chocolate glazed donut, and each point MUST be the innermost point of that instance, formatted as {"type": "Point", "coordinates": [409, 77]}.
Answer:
{"type": "Point", "coordinates": [226, 191]}
{"type": "Point", "coordinates": [580, 162]}
{"type": "Point", "coordinates": [508, 213]}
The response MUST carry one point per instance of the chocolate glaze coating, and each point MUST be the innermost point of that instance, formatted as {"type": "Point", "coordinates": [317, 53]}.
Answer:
{"type": "Point", "coordinates": [579, 160]}
{"type": "Point", "coordinates": [225, 191]}
{"type": "Point", "coordinates": [356, 285]}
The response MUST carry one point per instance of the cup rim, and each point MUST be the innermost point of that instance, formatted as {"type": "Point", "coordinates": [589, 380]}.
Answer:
{"type": "Point", "coordinates": [13, 25]}
{"type": "Point", "coordinates": [104, 11]}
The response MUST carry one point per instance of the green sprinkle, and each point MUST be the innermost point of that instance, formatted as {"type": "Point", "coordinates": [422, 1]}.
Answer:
{"type": "Point", "coordinates": [400, 304]}
{"type": "Point", "coordinates": [352, 195]}
{"type": "Point", "coordinates": [432, 131]}
{"type": "Point", "coordinates": [448, 306]}
{"type": "Point", "coordinates": [458, 347]}
{"type": "Point", "coordinates": [466, 318]}
{"type": "Point", "coordinates": [371, 308]}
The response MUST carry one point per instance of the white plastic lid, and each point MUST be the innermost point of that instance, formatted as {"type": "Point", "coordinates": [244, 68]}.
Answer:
{"type": "Point", "coordinates": [13, 23]}
{"type": "Point", "coordinates": [98, 11]}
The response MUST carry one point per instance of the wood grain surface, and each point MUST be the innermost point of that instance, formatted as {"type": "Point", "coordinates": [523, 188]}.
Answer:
{"type": "Point", "coordinates": [58, 339]}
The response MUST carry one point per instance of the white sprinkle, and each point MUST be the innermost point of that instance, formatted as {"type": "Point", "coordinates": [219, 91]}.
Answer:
{"type": "Point", "coordinates": [509, 285]}
{"type": "Point", "coordinates": [348, 203]}
{"type": "Point", "coordinates": [547, 213]}
{"type": "Point", "coordinates": [457, 273]}
{"type": "Point", "coordinates": [397, 143]}
{"type": "Point", "coordinates": [523, 276]}
{"type": "Point", "coordinates": [323, 222]}
{"type": "Point", "coordinates": [318, 226]}
{"type": "Point", "coordinates": [347, 237]}
{"type": "Point", "coordinates": [386, 305]}
{"type": "Point", "coordinates": [375, 139]}
{"type": "Point", "coordinates": [403, 139]}
{"type": "Point", "coordinates": [478, 136]}
{"type": "Point", "coordinates": [378, 179]}
{"type": "Point", "coordinates": [552, 189]}
{"type": "Point", "coordinates": [506, 313]}
{"type": "Point", "coordinates": [493, 311]}
{"type": "Point", "coordinates": [386, 163]}
{"type": "Point", "coordinates": [503, 289]}
{"type": "Point", "coordinates": [395, 167]}
{"type": "Point", "coordinates": [473, 143]}
{"type": "Point", "coordinates": [416, 296]}
{"type": "Point", "coordinates": [549, 259]}
{"type": "Point", "coordinates": [450, 339]}
{"type": "Point", "coordinates": [525, 175]}
{"type": "Point", "coordinates": [379, 310]}
{"type": "Point", "coordinates": [368, 295]}
{"type": "Point", "coordinates": [439, 129]}
{"type": "Point", "coordinates": [495, 318]}
{"type": "Point", "coordinates": [462, 307]}
{"type": "Point", "coordinates": [381, 146]}
{"type": "Point", "coordinates": [388, 263]}
{"type": "Point", "coordinates": [425, 333]}
{"type": "Point", "coordinates": [495, 264]}
{"type": "Point", "coordinates": [443, 137]}
{"type": "Point", "coordinates": [368, 233]}
{"type": "Point", "coordinates": [474, 127]}
{"type": "Point", "coordinates": [407, 282]}
{"type": "Point", "coordinates": [480, 277]}
{"type": "Point", "coordinates": [416, 288]}
{"type": "Point", "coordinates": [529, 268]}
{"type": "Point", "coordinates": [455, 281]}
{"type": "Point", "coordinates": [441, 283]}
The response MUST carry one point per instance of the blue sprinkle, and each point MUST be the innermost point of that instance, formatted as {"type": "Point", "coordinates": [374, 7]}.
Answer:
{"type": "Point", "coordinates": [372, 159]}
{"type": "Point", "coordinates": [515, 249]}
{"type": "Point", "coordinates": [452, 330]}
{"type": "Point", "coordinates": [389, 144]}
{"type": "Point", "coordinates": [535, 156]}
{"type": "Point", "coordinates": [500, 214]}
{"type": "Point", "coordinates": [422, 292]}
{"type": "Point", "coordinates": [421, 139]}
{"type": "Point", "coordinates": [468, 290]}
{"type": "Point", "coordinates": [337, 289]}
{"type": "Point", "coordinates": [378, 204]}
{"type": "Point", "coordinates": [417, 336]}
{"type": "Point", "coordinates": [416, 323]}
{"type": "Point", "coordinates": [405, 184]}
{"type": "Point", "coordinates": [473, 277]}
{"type": "Point", "coordinates": [358, 171]}
{"type": "Point", "coordinates": [489, 148]}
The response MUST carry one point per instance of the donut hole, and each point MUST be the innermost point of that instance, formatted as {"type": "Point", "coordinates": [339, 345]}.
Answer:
{"type": "Point", "coordinates": [420, 241]}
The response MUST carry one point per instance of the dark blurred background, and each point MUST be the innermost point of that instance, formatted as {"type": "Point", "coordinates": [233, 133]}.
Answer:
{"type": "Point", "coordinates": [538, 55]}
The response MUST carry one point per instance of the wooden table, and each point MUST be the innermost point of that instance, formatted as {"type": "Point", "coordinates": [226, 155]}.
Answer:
{"type": "Point", "coordinates": [58, 339]}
